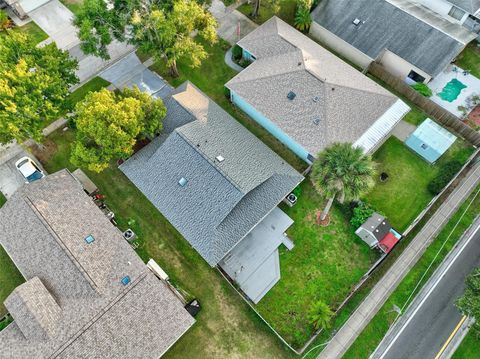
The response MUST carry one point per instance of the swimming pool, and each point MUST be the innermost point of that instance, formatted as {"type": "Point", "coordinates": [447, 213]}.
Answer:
{"type": "Point", "coordinates": [451, 90]}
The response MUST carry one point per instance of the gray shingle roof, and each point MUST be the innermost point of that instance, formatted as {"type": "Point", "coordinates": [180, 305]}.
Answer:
{"type": "Point", "coordinates": [343, 101]}
{"type": "Point", "coordinates": [222, 200]}
{"type": "Point", "coordinates": [416, 34]}
{"type": "Point", "coordinates": [47, 222]}
{"type": "Point", "coordinates": [470, 6]}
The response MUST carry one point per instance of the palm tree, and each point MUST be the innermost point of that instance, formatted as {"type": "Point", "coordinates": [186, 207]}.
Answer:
{"type": "Point", "coordinates": [342, 171]}
{"type": "Point", "coordinates": [303, 20]}
{"type": "Point", "coordinates": [320, 315]}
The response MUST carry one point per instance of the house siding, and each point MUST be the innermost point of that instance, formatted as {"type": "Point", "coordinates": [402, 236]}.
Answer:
{"type": "Point", "coordinates": [247, 55]}
{"type": "Point", "coordinates": [270, 127]}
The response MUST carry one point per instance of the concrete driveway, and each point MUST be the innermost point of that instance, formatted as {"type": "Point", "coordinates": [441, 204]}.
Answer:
{"type": "Point", "coordinates": [10, 178]}
{"type": "Point", "coordinates": [232, 24]}
{"type": "Point", "coordinates": [56, 20]}
{"type": "Point", "coordinates": [129, 72]}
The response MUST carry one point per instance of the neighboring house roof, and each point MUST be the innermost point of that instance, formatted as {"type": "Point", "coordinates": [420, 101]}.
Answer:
{"type": "Point", "coordinates": [470, 6]}
{"type": "Point", "coordinates": [411, 31]}
{"type": "Point", "coordinates": [74, 304]}
{"type": "Point", "coordinates": [334, 102]}
{"type": "Point", "coordinates": [211, 178]}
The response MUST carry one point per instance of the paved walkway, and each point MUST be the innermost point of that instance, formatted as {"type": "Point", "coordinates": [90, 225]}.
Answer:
{"type": "Point", "coordinates": [382, 290]}
{"type": "Point", "coordinates": [232, 24]}
{"type": "Point", "coordinates": [402, 130]}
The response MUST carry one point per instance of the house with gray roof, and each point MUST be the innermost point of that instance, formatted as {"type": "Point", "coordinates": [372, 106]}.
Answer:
{"type": "Point", "coordinates": [219, 186]}
{"type": "Point", "coordinates": [464, 12]}
{"type": "Point", "coordinates": [408, 39]}
{"type": "Point", "coordinates": [307, 97]}
{"type": "Point", "coordinates": [86, 292]}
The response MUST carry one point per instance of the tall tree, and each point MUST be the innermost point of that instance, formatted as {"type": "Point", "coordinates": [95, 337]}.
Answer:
{"type": "Point", "coordinates": [469, 303]}
{"type": "Point", "coordinates": [108, 126]}
{"type": "Point", "coordinates": [34, 85]}
{"type": "Point", "coordinates": [164, 29]}
{"type": "Point", "coordinates": [342, 171]}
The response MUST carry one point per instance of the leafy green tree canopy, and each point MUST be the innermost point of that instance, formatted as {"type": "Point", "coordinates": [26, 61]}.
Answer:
{"type": "Point", "coordinates": [321, 315]}
{"type": "Point", "coordinates": [108, 126]}
{"type": "Point", "coordinates": [164, 29]}
{"type": "Point", "coordinates": [34, 85]}
{"type": "Point", "coordinates": [469, 303]}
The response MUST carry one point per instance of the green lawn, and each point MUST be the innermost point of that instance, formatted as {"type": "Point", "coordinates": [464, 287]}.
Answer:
{"type": "Point", "coordinates": [468, 349]}
{"type": "Point", "coordinates": [469, 59]}
{"type": "Point", "coordinates": [404, 195]}
{"type": "Point", "coordinates": [32, 29]}
{"type": "Point", "coordinates": [226, 327]}
{"type": "Point", "coordinates": [73, 5]}
{"type": "Point", "coordinates": [95, 84]}
{"type": "Point", "coordinates": [376, 329]}
{"type": "Point", "coordinates": [286, 12]}
{"type": "Point", "coordinates": [10, 278]}
{"type": "Point", "coordinates": [210, 77]}
{"type": "Point", "coordinates": [325, 264]}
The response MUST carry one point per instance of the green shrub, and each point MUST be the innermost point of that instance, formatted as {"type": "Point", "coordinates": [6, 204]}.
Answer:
{"type": "Point", "coordinates": [444, 176]}
{"type": "Point", "coordinates": [226, 92]}
{"type": "Point", "coordinates": [236, 52]}
{"type": "Point", "coordinates": [303, 19]}
{"type": "Point", "coordinates": [422, 89]}
{"type": "Point", "coordinates": [360, 214]}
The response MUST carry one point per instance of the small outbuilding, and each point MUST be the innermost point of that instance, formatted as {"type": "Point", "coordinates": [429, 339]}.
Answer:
{"type": "Point", "coordinates": [377, 232]}
{"type": "Point", "coordinates": [430, 140]}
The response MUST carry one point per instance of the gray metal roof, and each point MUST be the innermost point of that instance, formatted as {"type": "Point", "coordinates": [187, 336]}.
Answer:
{"type": "Point", "coordinates": [470, 6]}
{"type": "Point", "coordinates": [47, 222]}
{"type": "Point", "coordinates": [411, 31]}
{"type": "Point", "coordinates": [334, 102]}
{"type": "Point", "coordinates": [224, 198]}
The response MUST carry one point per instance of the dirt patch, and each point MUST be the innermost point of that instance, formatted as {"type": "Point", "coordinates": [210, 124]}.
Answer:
{"type": "Point", "coordinates": [44, 151]}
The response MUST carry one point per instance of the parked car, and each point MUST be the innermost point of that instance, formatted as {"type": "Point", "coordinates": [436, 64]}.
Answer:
{"type": "Point", "coordinates": [29, 169]}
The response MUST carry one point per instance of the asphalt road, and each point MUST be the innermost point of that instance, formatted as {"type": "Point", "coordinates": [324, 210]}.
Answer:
{"type": "Point", "coordinates": [430, 327]}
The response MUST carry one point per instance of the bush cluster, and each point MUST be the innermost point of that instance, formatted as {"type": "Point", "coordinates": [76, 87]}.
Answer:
{"type": "Point", "coordinates": [444, 176]}
{"type": "Point", "coordinates": [422, 89]}
{"type": "Point", "coordinates": [360, 214]}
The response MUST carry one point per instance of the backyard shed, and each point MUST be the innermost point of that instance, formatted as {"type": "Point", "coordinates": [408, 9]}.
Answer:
{"type": "Point", "coordinates": [374, 229]}
{"type": "Point", "coordinates": [430, 140]}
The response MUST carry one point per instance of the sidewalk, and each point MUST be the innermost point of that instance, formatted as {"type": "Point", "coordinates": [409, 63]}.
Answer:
{"type": "Point", "coordinates": [349, 332]}
{"type": "Point", "coordinates": [232, 24]}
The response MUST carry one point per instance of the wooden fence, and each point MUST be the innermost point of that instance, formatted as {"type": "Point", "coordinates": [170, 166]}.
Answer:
{"type": "Point", "coordinates": [433, 110]}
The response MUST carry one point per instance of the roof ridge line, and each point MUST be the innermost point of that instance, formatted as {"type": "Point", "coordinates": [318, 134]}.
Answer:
{"type": "Point", "coordinates": [212, 163]}
{"type": "Point", "coordinates": [62, 245]}
{"type": "Point", "coordinates": [388, 95]}
{"type": "Point", "coordinates": [99, 314]}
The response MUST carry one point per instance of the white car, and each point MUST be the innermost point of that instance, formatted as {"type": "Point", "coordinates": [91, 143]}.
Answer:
{"type": "Point", "coordinates": [29, 169]}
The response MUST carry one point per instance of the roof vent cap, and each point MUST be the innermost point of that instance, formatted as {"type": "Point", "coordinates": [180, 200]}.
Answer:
{"type": "Point", "coordinates": [316, 99]}
{"type": "Point", "coordinates": [291, 95]}
{"type": "Point", "coordinates": [183, 182]}
{"type": "Point", "coordinates": [316, 121]}
{"type": "Point", "coordinates": [356, 22]}
{"type": "Point", "coordinates": [220, 158]}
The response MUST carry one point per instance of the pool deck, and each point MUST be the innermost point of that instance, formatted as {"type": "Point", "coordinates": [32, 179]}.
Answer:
{"type": "Point", "coordinates": [439, 82]}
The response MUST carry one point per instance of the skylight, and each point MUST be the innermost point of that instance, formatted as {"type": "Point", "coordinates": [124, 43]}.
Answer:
{"type": "Point", "coordinates": [291, 95]}
{"type": "Point", "coordinates": [89, 239]}
{"type": "Point", "coordinates": [183, 182]}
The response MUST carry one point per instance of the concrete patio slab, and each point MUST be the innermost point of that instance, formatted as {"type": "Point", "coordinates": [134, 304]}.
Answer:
{"type": "Point", "coordinates": [232, 24]}
{"type": "Point", "coordinates": [402, 130]}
